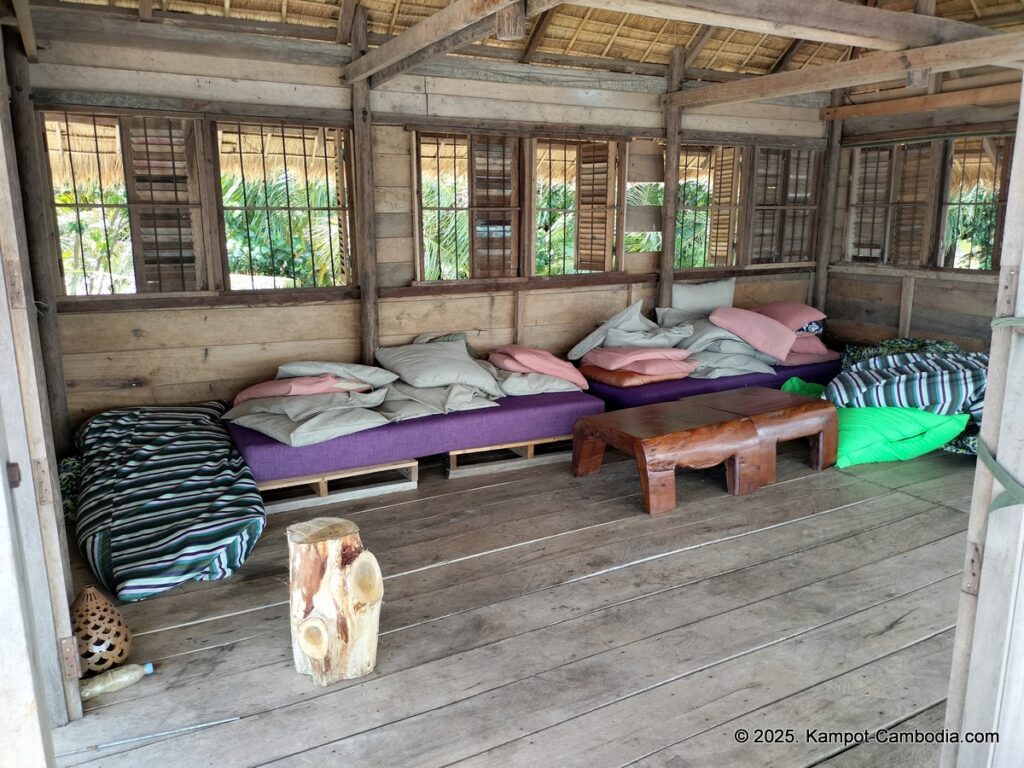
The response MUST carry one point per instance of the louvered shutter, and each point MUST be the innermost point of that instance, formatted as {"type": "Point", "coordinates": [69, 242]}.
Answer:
{"type": "Point", "coordinates": [870, 197]}
{"type": "Point", "coordinates": [595, 195]}
{"type": "Point", "coordinates": [724, 212]}
{"type": "Point", "coordinates": [912, 193]}
{"type": "Point", "coordinates": [494, 193]}
{"type": "Point", "coordinates": [166, 232]}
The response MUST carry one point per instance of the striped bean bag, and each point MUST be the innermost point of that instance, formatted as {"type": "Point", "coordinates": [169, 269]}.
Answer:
{"type": "Point", "coordinates": [943, 384]}
{"type": "Point", "coordinates": [165, 498]}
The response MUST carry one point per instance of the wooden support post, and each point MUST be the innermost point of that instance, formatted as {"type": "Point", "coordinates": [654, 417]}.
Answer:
{"type": "Point", "coordinates": [366, 227]}
{"type": "Point", "coordinates": [510, 22]}
{"type": "Point", "coordinates": [827, 205]}
{"type": "Point", "coordinates": [336, 591]}
{"type": "Point", "coordinates": [906, 306]}
{"type": "Point", "coordinates": [41, 232]}
{"type": "Point", "coordinates": [43, 540]}
{"type": "Point", "coordinates": [1002, 430]}
{"type": "Point", "coordinates": [26, 735]}
{"type": "Point", "coordinates": [670, 205]}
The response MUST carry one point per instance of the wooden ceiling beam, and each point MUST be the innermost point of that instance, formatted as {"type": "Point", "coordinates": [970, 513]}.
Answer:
{"type": "Point", "coordinates": [823, 21]}
{"type": "Point", "coordinates": [1002, 50]}
{"type": "Point", "coordinates": [510, 21]}
{"type": "Point", "coordinates": [464, 37]}
{"type": "Point", "coordinates": [1007, 93]}
{"type": "Point", "coordinates": [537, 35]}
{"type": "Point", "coordinates": [433, 30]}
{"type": "Point", "coordinates": [26, 29]}
{"type": "Point", "coordinates": [346, 16]}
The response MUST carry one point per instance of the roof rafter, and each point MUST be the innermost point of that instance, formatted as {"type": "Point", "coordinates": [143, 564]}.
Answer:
{"type": "Point", "coordinates": [824, 21]}
{"type": "Point", "coordinates": [540, 28]}
{"type": "Point", "coordinates": [1002, 50]}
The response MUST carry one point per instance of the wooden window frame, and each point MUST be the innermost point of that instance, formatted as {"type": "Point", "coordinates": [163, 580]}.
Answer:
{"type": "Point", "coordinates": [783, 210]}
{"type": "Point", "coordinates": [934, 225]}
{"type": "Point", "coordinates": [211, 260]}
{"type": "Point", "coordinates": [526, 208]}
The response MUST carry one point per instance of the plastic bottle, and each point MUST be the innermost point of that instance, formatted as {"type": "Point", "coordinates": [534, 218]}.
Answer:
{"type": "Point", "coordinates": [114, 679]}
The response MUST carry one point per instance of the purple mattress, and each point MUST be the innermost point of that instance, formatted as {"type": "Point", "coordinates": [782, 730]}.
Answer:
{"type": "Point", "coordinates": [516, 419]}
{"type": "Point", "coordinates": [617, 398]}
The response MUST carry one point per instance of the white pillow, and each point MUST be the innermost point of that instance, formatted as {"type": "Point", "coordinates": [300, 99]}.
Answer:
{"type": "Point", "coordinates": [371, 374]}
{"type": "Point", "coordinates": [439, 364]}
{"type": "Point", "coordinates": [629, 319]}
{"type": "Point", "coordinates": [702, 298]}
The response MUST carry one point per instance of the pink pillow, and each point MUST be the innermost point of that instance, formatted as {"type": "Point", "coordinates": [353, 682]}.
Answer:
{"type": "Point", "coordinates": [791, 314]}
{"type": "Point", "coordinates": [808, 358]}
{"type": "Point", "coordinates": [520, 359]}
{"type": "Point", "coordinates": [808, 345]}
{"type": "Point", "coordinates": [628, 358]}
{"type": "Point", "coordinates": [759, 331]}
{"type": "Point", "coordinates": [301, 385]}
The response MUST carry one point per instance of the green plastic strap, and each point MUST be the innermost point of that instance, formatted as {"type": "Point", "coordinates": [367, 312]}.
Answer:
{"type": "Point", "coordinates": [1013, 492]}
{"type": "Point", "coordinates": [1007, 322]}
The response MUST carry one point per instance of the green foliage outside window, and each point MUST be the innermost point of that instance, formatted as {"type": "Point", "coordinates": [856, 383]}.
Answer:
{"type": "Point", "coordinates": [691, 222]}
{"type": "Point", "coordinates": [96, 259]}
{"type": "Point", "coordinates": [971, 229]}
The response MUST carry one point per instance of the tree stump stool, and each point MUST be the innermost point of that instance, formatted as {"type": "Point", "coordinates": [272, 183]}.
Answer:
{"type": "Point", "coordinates": [336, 590]}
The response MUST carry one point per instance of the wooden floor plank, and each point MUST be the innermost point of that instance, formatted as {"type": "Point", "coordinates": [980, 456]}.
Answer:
{"type": "Point", "coordinates": [482, 572]}
{"type": "Point", "coordinates": [880, 694]}
{"type": "Point", "coordinates": [866, 528]}
{"type": "Point", "coordinates": [665, 720]}
{"type": "Point", "coordinates": [904, 755]}
{"type": "Point", "coordinates": [725, 686]}
{"type": "Point", "coordinates": [521, 669]}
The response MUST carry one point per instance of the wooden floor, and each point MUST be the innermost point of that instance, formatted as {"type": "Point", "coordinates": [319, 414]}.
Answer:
{"type": "Point", "coordinates": [532, 618]}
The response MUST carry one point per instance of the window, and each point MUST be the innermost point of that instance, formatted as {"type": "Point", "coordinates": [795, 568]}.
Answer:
{"type": "Point", "coordinates": [473, 200]}
{"type": "Point", "coordinates": [576, 206]}
{"type": "Point", "coordinates": [896, 217]}
{"type": "Point", "coordinates": [469, 206]}
{"type": "Point", "coordinates": [707, 220]}
{"type": "Point", "coordinates": [286, 207]}
{"type": "Point", "coordinates": [132, 217]}
{"type": "Point", "coordinates": [785, 205]}
{"type": "Point", "coordinates": [975, 203]}
{"type": "Point", "coordinates": [125, 227]}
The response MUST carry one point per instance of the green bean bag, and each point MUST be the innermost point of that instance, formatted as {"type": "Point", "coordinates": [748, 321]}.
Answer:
{"type": "Point", "coordinates": [893, 434]}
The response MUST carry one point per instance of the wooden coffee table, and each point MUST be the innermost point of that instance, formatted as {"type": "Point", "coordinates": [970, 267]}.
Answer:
{"type": "Point", "coordinates": [740, 428]}
{"type": "Point", "coordinates": [781, 416]}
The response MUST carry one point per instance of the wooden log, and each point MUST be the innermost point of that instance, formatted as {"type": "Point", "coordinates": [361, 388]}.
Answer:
{"type": "Point", "coordinates": [336, 590]}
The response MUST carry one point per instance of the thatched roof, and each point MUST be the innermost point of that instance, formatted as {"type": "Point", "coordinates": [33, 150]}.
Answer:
{"type": "Point", "coordinates": [577, 31]}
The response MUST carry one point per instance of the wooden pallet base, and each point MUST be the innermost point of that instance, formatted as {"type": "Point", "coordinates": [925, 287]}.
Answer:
{"type": "Point", "coordinates": [526, 456]}
{"type": "Point", "coordinates": [323, 494]}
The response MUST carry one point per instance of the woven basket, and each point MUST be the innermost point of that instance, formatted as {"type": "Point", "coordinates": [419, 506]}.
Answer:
{"type": "Point", "coordinates": [104, 640]}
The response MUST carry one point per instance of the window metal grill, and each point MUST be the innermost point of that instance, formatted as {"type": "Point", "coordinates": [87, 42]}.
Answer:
{"type": "Point", "coordinates": [468, 189]}
{"type": "Point", "coordinates": [285, 192]}
{"type": "Point", "coordinates": [556, 207]}
{"type": "Point", "coordinates": [975, 203]}
{"type": "Point", "coordinates": [127, 208]}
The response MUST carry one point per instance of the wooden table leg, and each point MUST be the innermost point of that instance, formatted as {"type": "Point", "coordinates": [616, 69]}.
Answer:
{"type": "Point", "coordinates": [743, 472]}
{"type": "Point", "coordinates": [769, 460]}
{"type": "Point", "coordinates": [587, 453]}
{"type": "Point", "coordinates": [825, 445]}
{"type": "Point", "coordinates": [657, 485]}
